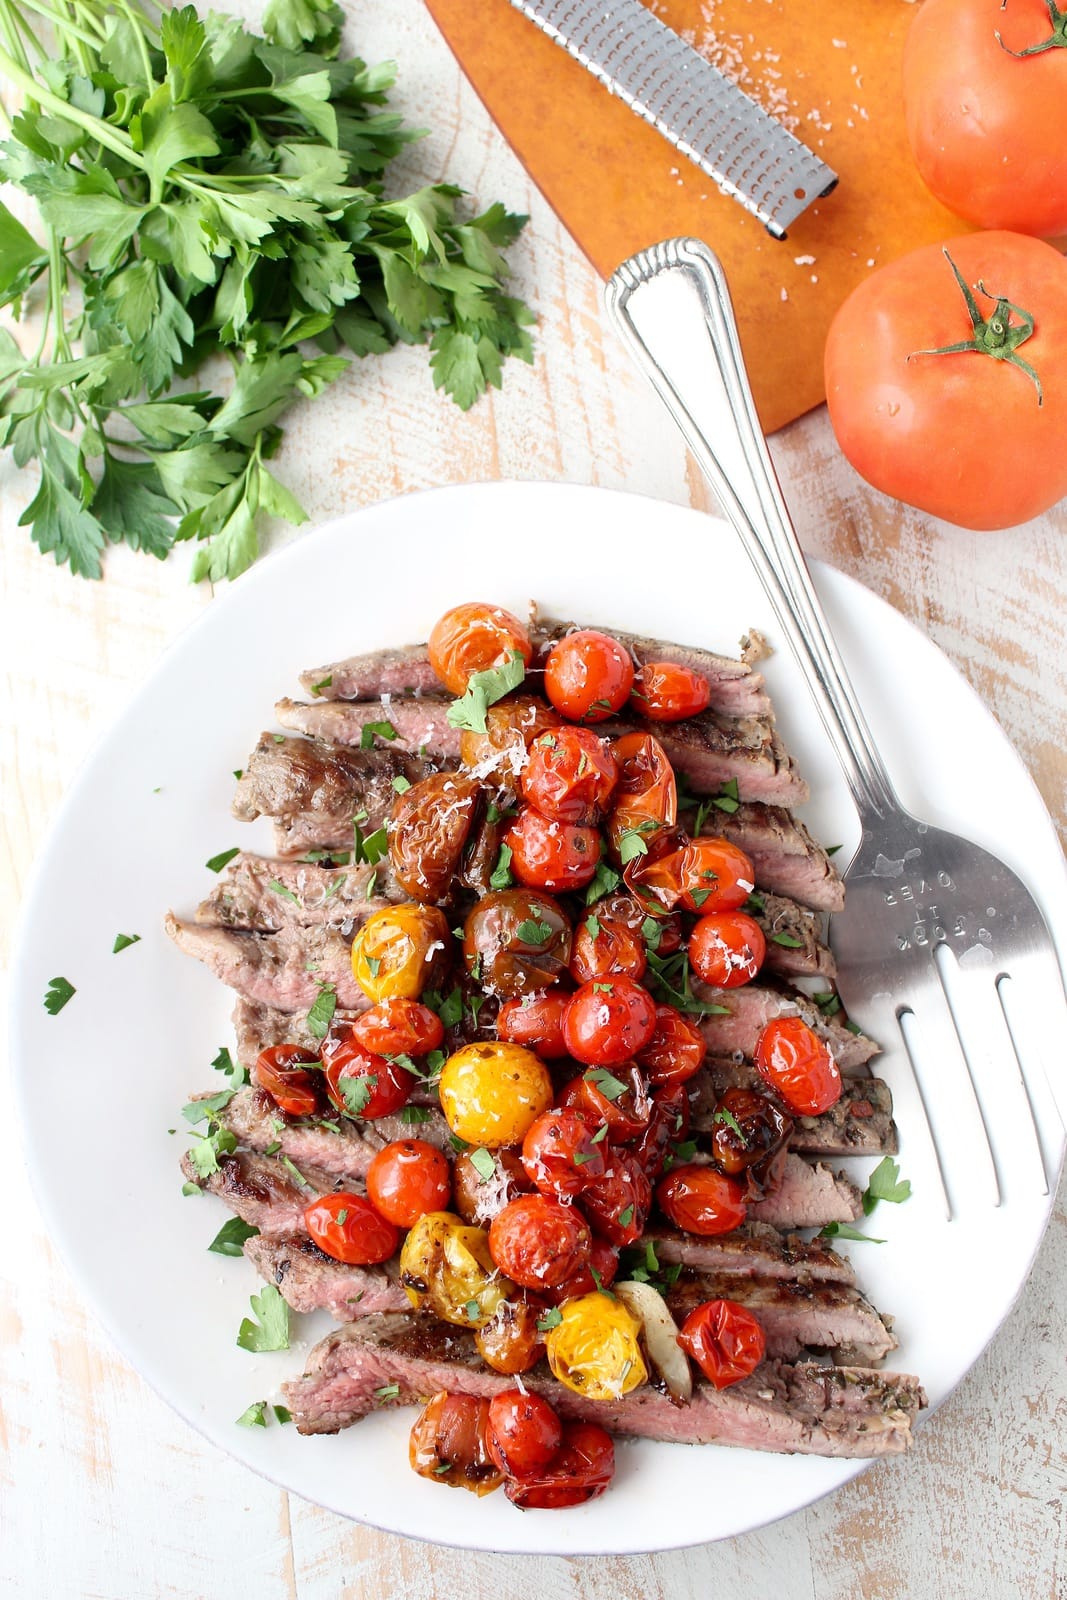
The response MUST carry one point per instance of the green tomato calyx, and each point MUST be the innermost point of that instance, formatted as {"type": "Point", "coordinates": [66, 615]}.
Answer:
{"type": "Point", "coordinates": [996, 335]}
{"type": "Point", "coordinates": [1057, 39]}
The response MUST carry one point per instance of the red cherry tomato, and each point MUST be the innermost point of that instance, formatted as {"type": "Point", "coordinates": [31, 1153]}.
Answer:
{"type": "Point", "coordinates": [448, 1443]}
{"type": "Point", "coordinates": [535, 1020]}
{"type": "Point", "coordinates": [581, 1469]}
{"type": "Point", "coordinates": [667, 1126]}
{"type": "Point", "coordinates": [618, 1202]}
{"type": "Point", "coordinates": [407, 1179]}
{"type": "Point", "coordinates": [280, 1070]}
{"type": "Point", "coordinates": [524, 1432]}
{"type": "Point", "coordinates": [725, 1341]}
{"type": "Point", "coordinates": [551, 855]}
{"type": "Point", "coordinates": [608, 1023]}
{"type": "Point", "coordinates": [348, 1228]}
{"type": "Point", "coordinates": [701, 1200]}
{"type": "Point", "coordinates": [605, 949]}
{"type": "Point", "coordinates": [569, 776]}
{"type": "Point", "coordinates": [676, 1049]}
{"type": "Point", "coordinates": [559, 1154]}
{"type": "Point", "coordinates": [537, 1242]}
{"type": "Point", "coordinates": [667, 692]}
{"type": "Point", "coordinates": [399, 1027]}
{"type": "Point", "coordinates": [599, 1272]}
{"type": "Point", "coordinates": [798, 1066]}
{"type": "Point", "coordinates": [588, 676]}
{"type": "Point", "coordinates": [715, 875]}
{"type": "Point", "coordinates": [727, 949]}
{"type": "Point", "coordinates": [646, 797]}
{"type": "Point", "coordinates": [363, 1085]}
{"type": "Point", "coordinates": [472, 638]}
{"type": "Point", "coordinates": [616, 1096]}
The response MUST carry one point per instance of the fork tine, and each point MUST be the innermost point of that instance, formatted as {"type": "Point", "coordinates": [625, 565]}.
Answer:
{"type": "Point", "coordinates": [1032, 990]}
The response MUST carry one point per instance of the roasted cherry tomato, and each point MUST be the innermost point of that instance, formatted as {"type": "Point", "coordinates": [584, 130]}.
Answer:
{"type": "Point", "coordinates": [348, 1228]}
{"type": "Point", "coordinates": [598, 1273]}
{"type": "Point", "coordinates": [562, 1153]}
{"type": "Point", "coordinates": [570, 775]}
{"type": "Point", "coordinates": [594, 1348]}
{"type": "Point", "coordinates": [667, 1126]}
{"type": "Point", "coordinates": [581, 1469]}
{"type": "Point", "coordinates": [551, 855]}
{"type": "Point", "coordinates": [764, 1130]}
{"type": "Point", "coordinates": [701, 1200]}
{"type": "Point", "coordinates": [725, 1341]}
{"type": "Point", "coordinates": [480, 1193]}
{"type": "Point", "coordinates": [362, 1085]}
{"type": "Point", "coordinates": [446, 1268]}
{"type": "Point", "coordinates": [399, 1028]}
{"type": "Point", "coordinates": [715, 875]}
{"type": "Point", "coordinates": [429, 828]}
{"type": "Point", "coordinates": [490, 1092]}
{"type": "Point", "coordinates": [588, 676]}
{"type": "Point", "coordinates": [281, 1070]}
{"type": "Point", "coordinates": [798, 1066]}
{"type": "Point", "coordinates": [407, 1179]}
{"type": "Point", "coordinates": [524, 1432]}
{"type": "Point", "coordinates": [516, 942]}
{"type": "Point", "coordinates": [676, 1049]}
{"type": "Point", "coordinates": [605, 949]}
{"type": "Point", "coordinates": [400, 951]}
{"type": "Point", "coordinates": [449, 1443]}
{"type": "Point", "coordinates": [473, 638]}
{"type": "Point", "coordinates": [538, 1242]}
{"type": "Point", "coordinates": [511, 726]}
{"type": "Point", "coordinates": [537, 1022]}
{"type": "Point", "coordinates": [608, 1023]}
{"type": "Point", "coordinates": [652, 871]}
{"type": "Point", "coordinates": [618, 1202]}
{"type": "Point", "coordinates": [727, 949]}
{"type": "Point", "coordinates": [646, 797]}
{"type": "Point", "coordinates": [667, 692]}
{"type": "Point", "coordinates": [511, 1341]}
{"type": "Point", "coordinates": [618, 1097]}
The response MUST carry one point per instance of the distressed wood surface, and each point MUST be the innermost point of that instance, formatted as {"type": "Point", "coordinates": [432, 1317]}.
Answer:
{"type": "Point", "coordinates": [103, 1491]}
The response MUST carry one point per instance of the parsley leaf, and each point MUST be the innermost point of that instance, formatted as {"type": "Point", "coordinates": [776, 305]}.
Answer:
{"type": "Point", "coordinates": [787, 941]}
{"type": "Point", "coordinates": [235, 1074]}
{"type": "Point", "coordinates": [500, 877]}
{"type": "Point", "coordinates": [280, 889]}
{"type": "Point", "coordinates": [59, 991]}
{"type": "Point", "coordinates": [609, 1085]}
{"type": "Point", "coordinates": [320, 1016]}
{"type": "Point", "coordinates": [231, 1236]}
{"type": "Point", "coordinates": [123, 941]}
{"type": "Point", "coordinates": [631, 845]}
{"type": "Point", "coordinates": [217, 863]}
{"type": "Point", "coordinates": [603, 881]}
{"type": "Point", "coordinates": [534, 932]}
{"type": "Point", "coordinates": [844, 1230]}
{"type": "Point", "coordinates": [384, 730]}
{"type": "Point", "coordinates": [484, 689]}
{"type": "Point", "coordinates": [885, 1183]}
{"type": "Point", "coordinates": [356, 1093]}
{"type": "Point", "coordinates": [724, 1115]}
{"type": "Point", "coordinates": [205, 1154]}
{"type": "Point", "coordinates": [323, 683]}
{"type": "Point", "coordinates": [483, 1163]}
{"type": "Point", "coordinates": [255, 1416]}
{"type": "Point", "coordinates": [550, 1320]}
{"type": "Point", "coordinates": [271, 1332]}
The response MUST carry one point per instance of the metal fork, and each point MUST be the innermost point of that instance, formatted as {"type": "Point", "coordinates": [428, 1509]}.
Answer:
{"type": "Point", "coordinates": [938, 939]}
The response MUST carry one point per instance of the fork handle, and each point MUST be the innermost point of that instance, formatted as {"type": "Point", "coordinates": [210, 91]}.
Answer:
{"type": "Point", "coordinates": [672, 305]}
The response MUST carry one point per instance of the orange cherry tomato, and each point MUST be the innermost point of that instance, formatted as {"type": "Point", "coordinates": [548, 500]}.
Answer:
{"type": "Point", "coordinates": [608, 1023]}
{"type": "Point", "coordinates": [537, 1242]}
{"type": "Point", "coordinates": [280, 1070]}
{"type": "Point", "coordinates": [701, 1200]}
{"type": "Point", "coordinates": [448, 1443]}
{"type": "Point", "coordinates": [676, 1049]}
{"type": "Point", "coordinates": [478, 1197]}
{"type": "Point", "coordinates": [618, 1202]}
{"type": "Point", "coordinates": [399, 1027]}
{"type": "Point", "coordinates": [363, 1085]}
{"type": "Point", "coordinates": [667, 692]}
{"type": "Point", "coordinates": [523, 1434]}
{"type": "Point", "coordinates": [472, 638]}
{"type": "Point", "coordinates": [725, 1341]}
{"type": "Point", "coordinates": [798, 1065]}
{"type": "Point", "coordinates": [588, 676]}
{"type": "Point", "coordinates": [646, 797]}
{"type": "Point", "coordinates": [551, 855]}
{"type": "Point", "coordinates": [559, 1155]}
{"type": "Point", "coordinates": [727, 949]}
{"type": "Point", "coordinates": [599, 1272]}
{"type": "Point", "coordinates": [511, 1341]}
{"type": "Point", "coordinates": [570, 775]}
{"type": "Point", "coordinates": [536, 1021]}
{"type": "Point", "coordinates": [606, 949]}
{"type": "Point", "coordinates": [616, 1097]}
{"type": "Point", "coordinates": [407, 1179]}
{"type": "Point", "coordinates": [348, 1228]}
{"type": "Point", "coordinates": [715, 875]}
{"type": "Point", "coordinates": [581, 1469]}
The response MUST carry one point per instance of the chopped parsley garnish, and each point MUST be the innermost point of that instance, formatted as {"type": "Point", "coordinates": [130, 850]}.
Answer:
{"type": "Point", "coordinates": [592, 925]}
{"type": "Point", "coordinates": [651, 933]}
{"type": "Point", "coordinates": [206, 1152]}
{"type": "Point", "coordinates": [338, 883]}
{"type": "Point", "coordinates": [603, 988]}
{"type": "Point", "coordinates": [531, 932]}
{"type": "Point", "coordinates": [323, 683]}
{"type": "Point", "coordinates": [255, 1416]}
{"type": "Point", "coordinates": [580, 1157]}
{"type": "Point", "coordinates": [448, 1007]}
{"type": "Point", "coordinates": [669, 980]}
{"type": "Point", "coordinates": [123, 941]}
{"type": "Point", "coordinates": [356, 1092]}
{"type": "Point", "coordinates": [282, 1413]}
{"type": "Point", "coordinates": [199, 1110]}
{"type": "Point", "coordinates": [401, 784]}
{"type": "Point", "coordinates": [500, 877]}
{"type": "Point", "coordinates": [271, 1332]}
{"type": "Point", "coordinates": [191, 1188]}
{"type": "Point", "coordinates": [388, 1391]}
{"type": "Point", "coordinates": [550, 1320]}
{"type": "Point", "coordinates": [473, 1310]}
{"type": "Point", "coordinates": [235, 1074]}
{"type": "Point", "coordinates": [296, 1173]}
{"type": "Point", "coordinates": [787, 940]}
{"type": "Point", "coordinates": [603, 881]}
{"type": "Point", "coordinates": [59, 991]}
{"type": "Point", "coordinates": [483, 1163]}
{"type": "Point", "coordinates": [626, 1216]}
{"type": "Point", "coordinates": [831, 850]}
{"type": "Point", "coordinates": [217, 863]}
{"type": "Point", "coordinates": [458, 1144]}
{"type": "Point", "coordinates": [272, 1149]}
{"type": "Point", "coordinates": [415, 1114]}
{"type": "Point", "coordinates": [372, 884]}
{"type": "Point", "coordinates": [845, 1230]}
{"type": "Point", "coordinates": [384, 730]}
{"type": "Point", "coordinates": [475, 1002]}
{"type": "Point", "coordinates": [608, 1084]}
{"type": "Point", "coordinates": [279, 738]}
{"type": "Point", "coordinates": [754, 905]}
{"type": "Point", "coordinates": [698, 896]}
{"type": "Point", "coordinates": [727, 798]}
{"type": "Point", "coordinates": [631, 845]}
{"type": "Point", "coordinates": [829, 1004]}
{"type": "Point", "coordinates": [600, 1134]}
{"type": "Point", "coordinates": [280, 889]}
{"type": "Point", "coordinates": [231, 1236]}
{"type": "Point", "coordinates": [238, 773]}
{"type": "Point", "coordinates": [320, 1016]}
{"type": "Point", "coordinates": [725, 1115]}
{"type": "Point", "coordinates": [484, 689]}
{"type": "Point", "coordinates": [493, 812]}
{"type": "Point", "coordinates": [853, 1027]}
{"type": "Point", "coordinates": [372, 848]}
{"type": "Point", "coordinates": [342, 1216]}
{"type": "Point", "coordinates": [885, 1183]}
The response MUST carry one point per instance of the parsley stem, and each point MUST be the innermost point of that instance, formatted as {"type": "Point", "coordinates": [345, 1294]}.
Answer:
{"type": "Point", "coordinates": [112, 139]}
{"type": "Point", "coordinates": [142, 47]}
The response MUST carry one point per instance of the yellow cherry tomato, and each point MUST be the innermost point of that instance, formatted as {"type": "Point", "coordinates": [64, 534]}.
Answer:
{"type": "Point", "coordinates": [400, 951]}
{"type": "Point", "coordinates": [445, 1267]}
{"type": "Point", "coordinates": [594, 1348]}
{"type": "Point", "coordinates": [491, 1093]}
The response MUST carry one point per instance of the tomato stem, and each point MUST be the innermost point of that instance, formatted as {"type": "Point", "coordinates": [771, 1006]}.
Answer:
{"type": "Point", "coordinates": [1056, 40]}
{"type": "Point", "coordinates": [996, 335]}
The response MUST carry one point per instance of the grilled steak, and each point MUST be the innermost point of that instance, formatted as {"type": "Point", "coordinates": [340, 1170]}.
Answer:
{"type": "Point", "coordinates": [794, 947]}
{"type": "Point", "coordinates": [747, 1011]}
{"type": "Point", "coordinates": [808, 1196]}
{"type": "Point", "coordinates": [786, 858]}
{"type": "Point", "coordinates": [796, 1317]}
{"type": "Point", "coordinates": [374, 675]}
{"type": "Point", "coordinates": [344, 1152]}
{"type": "Point", "coordinates": [421, 726]}
{"type": "Point", "coordinates": [265, 894]}
{"type": "Point", "coordinates": [309, 1280]}
{"type": "Point", "coordinates": [709, 750]}
{"type": "Point", "coordinates": [259, 1026]}
{"type": "Point", "coordinates": [286, 970]}
{"type": "Point", "coordinates": [261, 1191]}
{"type": "Point", "coordinates": [753, 1250]}
{"type": "Point", "coordinates": [736, 690]}
{"type": "Point", "coordinates": [834, 1411]}
{"type": "Point", "coordinates": [861, 1123]}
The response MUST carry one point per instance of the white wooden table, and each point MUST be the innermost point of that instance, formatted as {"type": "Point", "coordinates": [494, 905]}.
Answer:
{"type": "Point", "coordinates": [105, 1493]}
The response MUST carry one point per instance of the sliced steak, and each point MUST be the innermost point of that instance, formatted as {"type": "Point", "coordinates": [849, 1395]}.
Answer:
{"type": "Point", "coordinates": [378, 674]}
{"type": "Point", "coordinates": [312, 1281]}
{"type": "Point", "coordinates": [265, 894]}
{"type": "Point", "coordinates": [861, 1123]}
{"type": "Point", "coordinates": [286, 970]}
{"type": "Point", "coordinates": [795, 1317]}
{"type": "Point", "coordinates": [835, 1411]}
{"type": "Point", "coordinates": [786, 858]}
{"type": "Point", "coordinates": [709, 750]}
{"type": "Point", "coordinates": [421, 726]}
{"type": "Point", "coordinates": [259, 1026]}
{"type": "Point", "coordinates": [261, 1191]}
{"type": "Point", "coordinates": [753, 1250]}
{"type": "Point", "coordinates": [747, 1011]}
{"type": "Point", "coordinates": [735, 688]}
{"type": "Point", "coordinates": [794, 946]}
{"type": "Point", "coordinates": [808, 1196]}
{"type": "Point", "coordinates": [344, 1150]}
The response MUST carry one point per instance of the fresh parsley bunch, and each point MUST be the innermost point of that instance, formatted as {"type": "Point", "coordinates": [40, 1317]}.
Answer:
{"type": "Point", "coordinates": [203, 189]}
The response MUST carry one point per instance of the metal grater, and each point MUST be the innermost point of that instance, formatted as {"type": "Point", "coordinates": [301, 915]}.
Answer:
{"type": "Point", "coordinates": [745, 150]}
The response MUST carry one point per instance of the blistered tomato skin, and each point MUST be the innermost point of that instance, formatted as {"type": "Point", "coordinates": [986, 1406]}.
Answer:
{"type": "Point", "coordinates": [581, 1469]}
{"type": "Point", "coordinates": [449, 1443]}
{"type": "Point", "coordinates": [407, 1179]}
{"type": "Point", "coordinates": [400, 951]}
{"type": "Point", "coordinates": [715, 876]}
{"type": "Point", "coordinates": [617, 1097]}
{"type": "Point", "coordinates": [474, 638]}
{"type": "Point", "coordinates": [646, 798]}
{"type": "Point", "coordinates": [281, 1071]}
{"type": "Point", "coordinates": [559, 1155]}
{"type": "Point", "coordinates": [557, 856]}
{"type": "Point", "coordinates": [798, 1065]}
{"type": "Point", "coordinates": [537, 1242]}
{"type": "Point", "coordinates": [608, 1023]}
{"type": "Point", "coordinates": [511, 1341]}
{"type": "Point", "coordinates": [446, 1268]}
{"type": "Point", "coordinates": [492, 1092]}
{"type": "Point", "coordinates": [599, 1272]}
{"type": "Point", "coordinates": [523, 1434]}
{"type": "Point", "coordinates": [362, 1085]}
{"type": "Point", "coordinates": [676, 1049]}
{"type": "Point", "coordinates": [727, 949]}
{"type": "Point", "coordinates": [667, 692]}
{"type": "Point", "coordinates": [399, 1027]}
{"type": "Point", "coordinates": [595, 1350]}
{"type": "Point", "coordinates": [606, 949]}
{"type": "Point", "coordinates": [537, 1022]}
{"type": "Point", "coordinates": [348, 1228]}
{"type": "Point", "coordinates": [478, 1195]}
{"type": "Point", "coordinates": [428, 830]}
{"type": "Point", "coordinates": [618, 1202]}
{"type": "Point", "coordinates": [725, 1341]}
{"type": "Point", "coordinates": [570, 775]}
{"type": "Point", "coordinates": [701, 1200]}
{"type": "Point", "coordinates": [588, 676]}
{"type": "Point", "coordinates": [510, 728]}
{"type": "Point", "coordinates": [764, 1130]}
{"type": "Point", "coordinates": [516, 942]}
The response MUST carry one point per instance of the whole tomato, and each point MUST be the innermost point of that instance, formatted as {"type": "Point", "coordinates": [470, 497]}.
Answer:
{"type": "Point", "coordinates": [570, 775]}
{"type": "Point", "coordinates": [552, 855]}
{"type": "Point", "coordinates": [473, 638]}
{"type": "Point", "coordinates": [399, 1027]}
{"type": "Point", "coordinates": [588, 676]}
{"type": "Point", "coordinates": [607, 1023]}
{"type": "Point", "coordinates": [537, 1242]}
{"type": "Point", "coordinates": [647, 794]}
{"type": "Point", "coordinates": [599, 1272]}
{"type": "Point", "coordinates": [618, 1202]}
{"type": "Point", "coordinates": [281, 1069]}
{"type": "Point", "coordinates": [796, 1063]}
{"type": "Point", "coordinates": [524, 1432]}
{"type": "Point", "coordinates": [668, 692]}
{"type": "Point", "coordinates": [616, 1097]}
{"type": "Point", "coordinates": [676, 1049]}
{"type": "Point", "coordinates": [964, 436]}
{"type": "Point", "coordinates": [727, 949]}
{"type": "Point", "coordinates": [984, 118]}
{"type": "Point", "coordinates": [606, 949]}
{"type": "Point", "coordinates": [348, 1228]}
{"type": "Point", "coordinates": [562, 1153]}
{"type": "Point", "coordinates": [725, 1341]}
{"type": "Point", "coordinates": [408, 1178]}
{"type": "Point", "coordinates": [701, 1200]}
{"type": "Point", "coordinates": [448, 1443]}
{"type": "Point", "coordinates": [363, 1085]}
{"type": "Point", "coordinates": [535, 1020]}
{"type": "Point", "coordinates": [581, 1469]}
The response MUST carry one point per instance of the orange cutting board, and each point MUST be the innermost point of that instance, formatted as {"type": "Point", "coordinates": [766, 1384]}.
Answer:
{"type": "Point", "coordinates": [830, 68]}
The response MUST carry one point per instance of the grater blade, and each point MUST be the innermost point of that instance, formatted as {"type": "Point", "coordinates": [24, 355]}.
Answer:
{"type": "Point", "coordinates": [742, 148]}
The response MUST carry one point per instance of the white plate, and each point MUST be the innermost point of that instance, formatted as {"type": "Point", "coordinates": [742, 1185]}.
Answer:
{"type": "Point", "coordinates": [101, 1084]}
